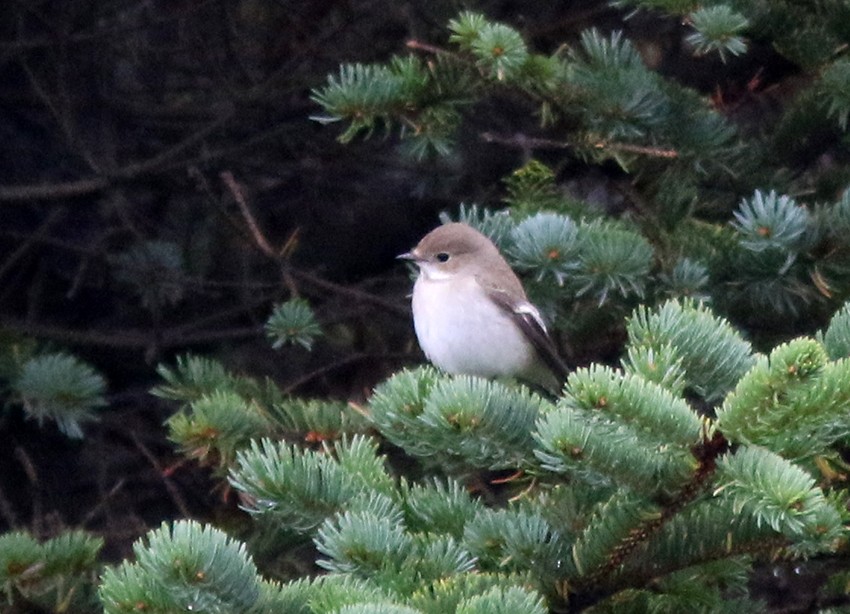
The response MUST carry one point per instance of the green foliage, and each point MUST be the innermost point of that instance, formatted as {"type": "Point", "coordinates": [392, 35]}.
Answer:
{"type": "Point", "coordinates": [611, 523]}
{"type": "Point", "coordinates": [185, 566]}
{"type": "Point", "coordinates": [625, 482]}
{"type": "Point", "coordinates": [322, 594]}
{"type": "Point", "coordinates": [604, 86]}
{"type": "Point", "coordinates": [61, 388]}
{"type": "Point", "coordinates": [195, 376]}
{"type": "Point", "coordinates": [836, 91]}
{"type": "Point", "coordinates": [718, 29]}
{"type": "Point", "coordinates": [154, 271]}
{"type": "Point", "coordinates": [314, 419]}
{"type": "Point", "coordinates": [687, 279]}
{"type": "Point", "coordinates": [369, 96]}
{"type": "Point", "coordinates": [806, 33]}
{"type": "Point", "coordinates": [216, 425]}
{"type": "Point", "coordinates": [439, 507]}
{"type": "Point", "coordinates": [56, 574]}
{"type": "Point", "coordinates": [515, 540]}
{"type": "Point", "coordinates": [713, 529]}
{"type": "Point", "coordinates": [615, 428]}
{"type": "Point", "coordinates": [836, 338]}
{"type": "Point", "coordinates": [622, 99]}
{"type": "Point", "coordinates": [503, 601]}
{"type": "Point", "coordinates": [661, 365]}
{"type": "Point", "coordinates": [614, 259]}
{"type": "Point", "coordinates": [532, 188]}
{"type": "Point", "coordinates": [547, 244]}
{"type": "Point", "coordinates": [365, 543]}
{"type": "Point", "coordinates": [793, 401]}
{"type": "Point", "coordinates": [447, 594]}
{"type": "Point", "coordinates": [782, 496]}
{"type": "Point", "coordinates": [722, 587]}
{"type": "Point", "coordinates": [376, 608]}
{"type": "Point", "coordinates": [301, 488]}
{"type": "Point", "coordinates": [293, 322]}
{"type": "Point", "coordinates": [712, 355]}
{"type": "Point", "coordinates": [774, 271]}
{"type": "Point", "coordinates": [499, 51]}
{"type": "Point", "coordinates": [771, 222]}
{"type": "Point", "coordinates": [376, 546]}
{"type": "Point", "coordinates": [221, 412]}
{"type": "Point", "coordinates": [457, 421]}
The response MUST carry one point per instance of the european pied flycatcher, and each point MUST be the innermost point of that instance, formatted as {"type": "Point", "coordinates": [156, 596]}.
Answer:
{"type": "Point", "coordinates": [471, 313]}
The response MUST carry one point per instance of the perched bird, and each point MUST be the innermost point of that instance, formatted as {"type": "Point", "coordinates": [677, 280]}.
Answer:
{"type": "Point", "coordinates": [471, 313]}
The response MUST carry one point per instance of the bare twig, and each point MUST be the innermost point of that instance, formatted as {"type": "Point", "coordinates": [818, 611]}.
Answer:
{"type": "Point", "coordinates": [119, 485]}
{"type": "Point", "coordinates": [7, 512]}
{"type": "Point", "coordinates": [259, 238]}
{"type": "Point", "coordinates": [36, 237]}
{"type": "Point", "coordinates": [655, 152]}
{"type": "Point", "coordinates": [173, 492]}
{"type": "Point", "coordinates": [339, 364]}
{"type": "Point", "coordinates": [352, 293]}
{"type": "Point", "coordinates": [79, 187]}
{"type": "Point", "coordinates": [525, 142]}
{"type": "Point", "coordinates": [128, 338]}
{"type": "Point", "coordinates": [38, 523]}
{"type": "Point", "coordinates": [420, 46]}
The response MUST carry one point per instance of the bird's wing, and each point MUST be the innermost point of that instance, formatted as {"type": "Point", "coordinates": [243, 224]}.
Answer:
{"type": "Point", "coordinates": [527, 317]}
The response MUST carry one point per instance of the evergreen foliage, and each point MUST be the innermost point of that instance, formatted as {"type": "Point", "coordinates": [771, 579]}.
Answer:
{"type": "Point", "coordinates": [293, 322]}
{"type": "Point", "coordinates": [796, 385]}
{"type": "Point", "coordinates": [55, 574]}
{"type": "Point", "coordinates": [712, 356]}
{"type": "Point", "coordinates": [782, 496]}
{"type": "Point", "coordinates": [651, 489]}
{"type": "Point", "coordinates": [717, 28]}
{"type": "Point", "coordinates": [457, 422]}
{"type": "Point", "coordinates": [183, 567]}
{"type": "Point", "coordinates": [61, 388]}
{"type": "Point", "coordinates": [153, 270]}
{"type": "Point", "coordinates": [223, 412]}
{"type": "Point", "coordinates": [836, 338]}
{"type": "Point", "coordinates": [626, 481]}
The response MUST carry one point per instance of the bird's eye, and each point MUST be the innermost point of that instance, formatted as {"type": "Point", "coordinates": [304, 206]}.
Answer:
{"type": "Point", "coordinates": [442, 257]}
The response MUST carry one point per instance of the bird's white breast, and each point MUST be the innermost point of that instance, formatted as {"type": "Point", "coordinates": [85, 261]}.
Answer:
{"type": "Point", "coordinates": [461, 330]}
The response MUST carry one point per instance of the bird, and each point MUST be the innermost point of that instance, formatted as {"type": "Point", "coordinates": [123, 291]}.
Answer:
{"type": "Point", "coordinates": [471, 313]}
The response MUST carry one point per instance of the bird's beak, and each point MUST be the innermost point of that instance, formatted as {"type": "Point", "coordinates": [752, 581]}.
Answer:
{"type": "Point", "coordinates": [411, 255]}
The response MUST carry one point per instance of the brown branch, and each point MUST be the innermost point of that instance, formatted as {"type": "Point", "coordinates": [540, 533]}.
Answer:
{"type": "Point", "coordinates": [525, 142]}
{"type": "Point", "coordinates": [654, 152]}
{"type": "Point", "coordinates": [37, 513]}
{"type": "Point", "coordinates": [707, 452]}
{"type": "Point", "coordinates": [256, 234]}
{"type": "Point", "coordinates": [117, 29]}
{"type": "Point", "coordinates": [134, 170]}
{"type": "Point", "coordinates": [128, 338]}
{"type": "Point", "coordinates": [352, 293]}
{"type": "Point", "coordinates": [49, 191]}
{"type": "Point", "coordinates": [36, 237]}
{"type": "Point", "coordinates": [419, 46]}
{"type": "Point", "coordinates": [103, 501]}
{"type": "Point", "coordinates": [173, 492]}
{"type": "Point", "coordinates": [339, 364]}
{"type": "Point", "coordinates": [7, 512]}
